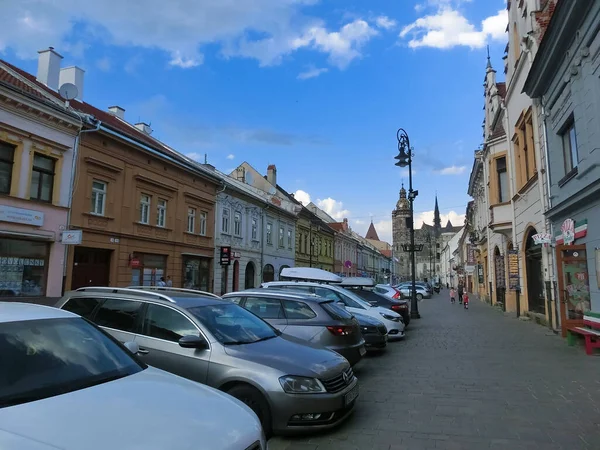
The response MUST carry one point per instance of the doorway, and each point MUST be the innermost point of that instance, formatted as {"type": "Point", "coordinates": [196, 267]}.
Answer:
{"type": "Point", "coordinates": [573, 283]}
{"type": "Point", "coordinates": [91, 267]}
{"type": "Point", "coordinates": [236, 276]}
{"type": "Point", "coordinates": [249, 276]}
{"type": "Point", "coordinates": [535, 276]}
{"type": "Point", "coordinates": [500, 276]}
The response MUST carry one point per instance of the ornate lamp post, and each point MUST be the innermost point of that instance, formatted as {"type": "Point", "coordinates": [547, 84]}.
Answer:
{"type": "Point", "coordinates": [405, 154]}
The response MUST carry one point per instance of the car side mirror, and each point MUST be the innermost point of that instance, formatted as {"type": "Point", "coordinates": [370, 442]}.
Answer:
{"type": "Point", "coordinates": [132, 346]}
{"type": "Point", "coordinates": [192, 341]}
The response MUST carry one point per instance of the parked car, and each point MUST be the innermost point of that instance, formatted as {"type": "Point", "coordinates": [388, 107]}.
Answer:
{"type": "Point", "coordinates": [354, 304]}
{"type": "Point", "coordinates": [388, 291]}
{"type": "Point", "coordinates": [402, 307]}
{"type": "Point", "coordinates": [374, 332]}
{"type": "Point", "coordinates": [308, 317]}
{"type": "Point", "coordinates": [66, 384]}
{"type": "Point", "coordinates": [420, 290]}
{"type": "Point", "coordinates": [291, 385]}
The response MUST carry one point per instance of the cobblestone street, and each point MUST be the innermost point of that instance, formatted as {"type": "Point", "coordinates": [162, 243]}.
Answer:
{"type": "Point", "coordinates": [475, 379]}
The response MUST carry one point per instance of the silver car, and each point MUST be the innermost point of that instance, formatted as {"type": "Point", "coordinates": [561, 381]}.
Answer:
{"type": "Point", "coordinates": [306, 316]}
{"type": "Point", "coordinates": [291, 385]}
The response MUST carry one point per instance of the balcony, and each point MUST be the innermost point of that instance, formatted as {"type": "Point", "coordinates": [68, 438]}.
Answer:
{"type": "Point", "coordinates": [501, 218]}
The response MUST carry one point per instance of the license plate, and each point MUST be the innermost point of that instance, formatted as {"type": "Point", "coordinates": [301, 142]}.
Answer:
{"type": "Point", "coordinates": [351, 396]}
{"type": "Point", "coordinates": [363, 351]}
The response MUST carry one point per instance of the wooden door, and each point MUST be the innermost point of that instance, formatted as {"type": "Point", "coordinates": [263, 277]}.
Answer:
{"type": "Point", "coordinates": [573, 285]}
{"type": "Point", "coordinates": [91, 267]}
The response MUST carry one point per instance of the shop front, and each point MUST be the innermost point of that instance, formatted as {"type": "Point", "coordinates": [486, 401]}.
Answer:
{"type": "Point", "coordinates": [23, 267]}
{"type": "Point", "coordinates": [196, 272]}
{"type": "Point", "coordinates": [575, 261]}
{"type": "Point", "coordinates": [147, 269]}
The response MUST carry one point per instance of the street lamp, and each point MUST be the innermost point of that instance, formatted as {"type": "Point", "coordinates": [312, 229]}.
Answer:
{"type": "Point", "coordinates": [405, 154]}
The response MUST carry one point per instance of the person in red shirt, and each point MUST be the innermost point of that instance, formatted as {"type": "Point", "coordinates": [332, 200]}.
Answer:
{"type": "Point", "coordinates": [466, 300]}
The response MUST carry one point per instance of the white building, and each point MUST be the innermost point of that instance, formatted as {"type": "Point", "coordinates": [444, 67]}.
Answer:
{"type": "Point", "coordinates": [448, 272]}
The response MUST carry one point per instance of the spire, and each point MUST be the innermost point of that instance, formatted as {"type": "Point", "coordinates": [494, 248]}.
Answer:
{"type": "Point", "coordinates": [489, 61]}
{"type": "Point", "coordinates": [437, 221]}
{"type": "Point", "coordinates": [372, 233]}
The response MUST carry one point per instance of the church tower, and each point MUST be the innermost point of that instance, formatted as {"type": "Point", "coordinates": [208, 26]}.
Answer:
{"type": "Point", "coordinates": [437, 221]}
{"type": "Point", "coordinates": [401, 235]}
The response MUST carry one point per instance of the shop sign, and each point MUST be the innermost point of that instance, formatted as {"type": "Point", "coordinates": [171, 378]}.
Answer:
{"type": "Point", "coordinates": [21, 262]}
{"type": "Point", "coordinates": [135, 263]}
{"type": "Point", "coordinates": [20, 215]}
{"type": "Point", "coordinates": [470, 254]}
{"type": "Point", "coordinates": [542, 238]}
{"type": "Point", "coordinates": [480, 273]}
{"type": "Point", "coordinates": [571, 231]}
{"type": "Point", "coordinates": [225, 258]}
{"type": "Point", "coordinates": [71, 237]}
{"type": "Point", "coordinates": [513, 269]}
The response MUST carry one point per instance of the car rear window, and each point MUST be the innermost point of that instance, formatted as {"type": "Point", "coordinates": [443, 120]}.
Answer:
{"type": "Point", "coordinates": [336, 312]}
{"type": "Point", "coordinates": [298, 310]}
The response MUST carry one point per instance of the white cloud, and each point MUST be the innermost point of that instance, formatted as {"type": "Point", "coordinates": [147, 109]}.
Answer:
{"type": "Point", "coordinates": [385, 22]}
{"type": "Point", "coordinates": [266, 30]}
{"type": "Point", "coordinates": [230, 156]}
{"type": "Point", "coordinates": [312, 72]}
{"type": "Point", "coordinates": [450, 28]}
{"type": "Point", "coordinates": [452, 170]}
{"type": "Point", "coordinates": [195, 156]}
{"type": "Point", "coordinates": [427, 217]}
{"type": "Point", "coordinates": [103, 64]}
{"type": "Point", "coordinates": [333, 207]}
{"type": "Point", "coordinates": [302, 196]}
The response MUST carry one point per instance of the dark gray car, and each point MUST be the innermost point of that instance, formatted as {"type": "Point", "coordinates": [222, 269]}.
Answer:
{"type": "Point", "coordinates": [290, 384]}
{"type": "Point", "coordinates": [308, 317]}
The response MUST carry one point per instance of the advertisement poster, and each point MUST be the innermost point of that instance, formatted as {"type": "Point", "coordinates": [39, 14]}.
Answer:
{"type": "Point", "coordinates": [513, 269]}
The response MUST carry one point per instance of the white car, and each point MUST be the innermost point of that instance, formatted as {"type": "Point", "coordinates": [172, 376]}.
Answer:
{"type": "Point", "coordinates": [353, 303]}
{"type": "Point", "coordinates": [65, 384]}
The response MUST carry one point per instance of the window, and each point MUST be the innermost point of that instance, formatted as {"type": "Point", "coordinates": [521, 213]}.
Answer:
{"type": "Point", "coordinates": [7, 155]}
{"type": "Point", "coordinates": [281, 232]}
{"type": "Point", "coordinates": [42, 178]}
{"type": "Point", "coordinates": [191, 223]}
{"type": "Point", "coordinates": [270, 233]}
{"type": "Point", "coordinates": [98, 197]}
{"type": "Point", "coordinates": [235, 300]}
{"type": "Point", "coordinates": [503, 195]}
{"type": "Point", "coordinates": [298, 310]}
{"type": "Point", "coordinates": [525, 165]}
{"type": "Point", "coordinates": [569, 142]}
{"type": "Point", "coordinates": [161, 215]}
{"type": "Point", "coordinates": [119, 314]}
{"type": "Point", "coordinates": [167, 324]}
{"type": "Point", "coordinates": [145, 208]}
{"type": "Point", "coordinates": [237, 223]}
{"type": "Point", "coordinates": [289, 238]}
{"type": "Point", "coordinates": [265, 308]}
{"type": "Point", "coordinates": [82, 306]}
{"type": "Point", "coordinates": [254, 230]}
{"type": "Point", "coordinates": [268, 273]}
{"type": "Point", "coordinates": [225, 221]}
{"type": "Point", "coordinates": [203, 216]}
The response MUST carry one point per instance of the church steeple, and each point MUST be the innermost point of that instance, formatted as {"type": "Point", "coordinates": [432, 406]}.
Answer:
{"type": "Point", "coordinates": [437, 220]}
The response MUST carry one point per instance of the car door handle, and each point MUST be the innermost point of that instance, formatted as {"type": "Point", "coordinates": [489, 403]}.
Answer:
{"type": "Point", "coordinates": [143, 351]}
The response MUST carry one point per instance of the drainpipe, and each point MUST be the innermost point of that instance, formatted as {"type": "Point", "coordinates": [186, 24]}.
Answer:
{"type": "Point", "coordinates": [74, 183]}
{"type": "Point", "coordinates": [262, 241]}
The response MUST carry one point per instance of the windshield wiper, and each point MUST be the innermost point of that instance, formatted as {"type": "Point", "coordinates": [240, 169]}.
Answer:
{"type": "Point", "coordinates": [266, 338]}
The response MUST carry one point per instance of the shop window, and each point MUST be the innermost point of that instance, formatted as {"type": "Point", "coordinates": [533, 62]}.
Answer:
{"type": "Point", "coordinates": [145, 202]}
{"type": "Point", "coordinates": [569, 147]}
{"type": "Point", "coordinates": [98, 197]}
{"type": "Point", "coordinates": [281, 233]}
{"type": "Point", "coordinates": [42, 178]}
{"type": "Point", "coordinates": [196, 273]}
{"type": "Point", "coordinates": [150, 270]}
{"type": "Point", "coordinates": [225, 221]}
{"type": "Point", "coordinates": [237, 223]}
{"type": "Point", "coordinates": [203, 223]}
{"type": "Point", "coordinates": [22, 268]}
{"type": "Point", "coordinates": [254, 229]}
{"type": "Point", "coordinates": [191, 220]}
{"type": "Point", "coordinates": [161, 213]}
{"type": "Point", "coordinates": [7, 155]}
{"type": "Point", "coordinates": [270, 233]}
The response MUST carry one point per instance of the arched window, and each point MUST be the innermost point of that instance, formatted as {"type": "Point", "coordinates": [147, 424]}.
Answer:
{"type": "Point", "coordinates": [268, 273]}
{"type": "Point", "coordinates": [249, 276]}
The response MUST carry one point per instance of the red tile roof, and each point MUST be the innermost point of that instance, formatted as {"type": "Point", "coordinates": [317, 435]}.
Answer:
{"type": "Point", "coordinates": [372, 233]}
{"type": "Point", "coordinates": [337, 226]}
{"type": "Point", "coordinates": [387, 253]}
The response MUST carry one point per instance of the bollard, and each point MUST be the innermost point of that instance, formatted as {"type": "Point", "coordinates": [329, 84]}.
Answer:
{"type": "Point", "coordinates": [518, 292]}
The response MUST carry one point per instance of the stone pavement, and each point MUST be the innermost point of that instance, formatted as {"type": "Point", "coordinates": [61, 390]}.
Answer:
{"type": "Point", "coordinates": [470, 379]}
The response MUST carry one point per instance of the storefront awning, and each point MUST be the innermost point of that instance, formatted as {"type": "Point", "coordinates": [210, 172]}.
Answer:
{"type": "Point", "coordinates": [31, 236]}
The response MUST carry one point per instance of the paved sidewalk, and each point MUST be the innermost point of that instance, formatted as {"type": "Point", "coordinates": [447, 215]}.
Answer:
{"type": "Point", "coordinates": [475, 379]}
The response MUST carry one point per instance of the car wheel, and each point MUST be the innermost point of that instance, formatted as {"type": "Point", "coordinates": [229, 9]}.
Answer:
{"type": "Point", "coordinates": [419, 297]}
{"type": "Point", "coordinates": [257, 403]}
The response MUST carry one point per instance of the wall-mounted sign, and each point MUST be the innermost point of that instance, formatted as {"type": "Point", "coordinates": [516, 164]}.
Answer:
{"type": "Point", "coordinates": [20, 215]}
{"type": "Point", "coordinates": [71, 237]}
{"type": "Point", "coordinates": [470, 254]}
{"type": "Point", "coordinates": [513, 269]}
{"type": "Point", "coordinates": [542, 238]}
{"type": "Point", "coordinates": [237, 255]}
{"type": "Point", "coordinates": [480, 273]}
{"type": "Point", "coordinates": [225, 258]}
{"type": "Point", "coordinates": [135, 263]}
{"type": "Point", "coordinates": [571, 231]}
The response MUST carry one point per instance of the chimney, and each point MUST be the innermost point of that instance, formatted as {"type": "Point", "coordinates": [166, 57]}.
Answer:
{"type": "Point", "coordinates": [144, 128]}
{"type": "Point", "coordinates": [272, 175]}
{"type": "Point", "coordinates": [345, 224]}
{"type": "Point", "coordinates": [48, 72]}
{"type": "Point", "coordinates": [72, 75]}
{"type": "Point", "coordinates": [117, 111]}
{"type": "Point", "coordinates": [241, 174]}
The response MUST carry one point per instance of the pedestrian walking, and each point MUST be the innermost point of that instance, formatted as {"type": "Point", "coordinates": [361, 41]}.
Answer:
{"type": "Point", "coordinates": [460, 293]}
{"type": "Point", "coordinates": [452, 295]}
{"type": "Point", "coordinates": [466, 300]}
{"type": "Point", "coordinates": [161, 282]}
{"type": "Point", "coordinates": [169, 282]}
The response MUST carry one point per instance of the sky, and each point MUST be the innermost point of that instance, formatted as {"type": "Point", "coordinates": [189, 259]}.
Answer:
{"type": "Point", "coordinates": [316, 87]}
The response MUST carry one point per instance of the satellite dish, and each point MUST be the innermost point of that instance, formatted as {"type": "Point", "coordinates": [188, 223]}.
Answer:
{"type": "Point", "coordinates": [68, 91]}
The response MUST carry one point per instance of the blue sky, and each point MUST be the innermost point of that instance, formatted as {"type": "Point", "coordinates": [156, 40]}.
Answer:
{"type": "Point", "coordinates": [316, 87]}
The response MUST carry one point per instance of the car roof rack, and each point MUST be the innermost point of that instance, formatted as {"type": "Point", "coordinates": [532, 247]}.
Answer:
{"type": "Point", "coordinates": [358, 282]}
{"type": "Point", "coordinates": [274, 292]}
{"type": "Point", "coordinates": [311, 274]}
{"type": "Point", "coordinates": [167, 288]}
{"type": "Point", "coordinates": [125, 290]}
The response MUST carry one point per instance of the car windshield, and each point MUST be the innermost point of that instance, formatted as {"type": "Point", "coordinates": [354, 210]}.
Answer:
{"type": "Point", "coordinates": [45, 358]}
{"type": "Point", "coordinates": [231, 324]}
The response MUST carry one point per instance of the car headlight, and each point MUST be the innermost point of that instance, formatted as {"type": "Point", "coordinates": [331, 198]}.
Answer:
{"type": "Point", "coordinates": [388, 317]}
{"type": "Point", "coordinates": [301, 385]}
